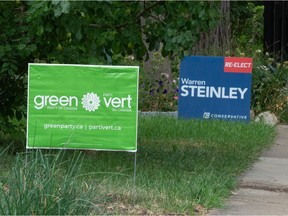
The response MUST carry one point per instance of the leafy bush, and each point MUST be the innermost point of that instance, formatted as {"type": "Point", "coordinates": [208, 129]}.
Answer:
{"type": "Point", "coordinates": [270, 87]}
{"type": "Point", "coordinates": [157, 95]}
{"type": "Point", "coordinates": [247, 25]}
{"type": "Point", "coordinates": [13, 131]}
{"type": "Point", "coordinates": [89, 33]}
{"type": "Point", "coordinates": [158, 91]}
{"type": "Point", "coordinates": [13, 64]}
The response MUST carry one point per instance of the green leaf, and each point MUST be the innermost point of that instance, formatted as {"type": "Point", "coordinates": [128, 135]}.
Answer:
{"type": "Point", "coordinates": [2, 53]}
{"type": "Point", "coordinates": [82, 48]}
{"type": "Point", "coordinates": [11, 72]}
{"type": "Point", "coordinates": [55, 2]}
{"type": "Point", "coordinates": [49, 27]}
{"type": "Point", "coordinates": [13, 67]}
{"type": "Point", "coordinates": [21, 46]}
{"type": "Point", "coordinates": [5, 66]}
{"type": "Point", "coordinates": [202, 13]}
{"type": "Point", "coordinates": [65, 5]}
{"type": "Point", "coordinates": [33, 47]}
{"type": "Point", "coordinates": [78, 35]}
{"type": "Point", "coordinates": [40, 30]}
{"type": "Point", "coordinates": [57, 11]}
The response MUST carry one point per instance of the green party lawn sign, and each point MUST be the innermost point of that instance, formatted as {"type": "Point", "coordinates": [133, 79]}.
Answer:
{"type": "Point", "coordinates": [82, 107]}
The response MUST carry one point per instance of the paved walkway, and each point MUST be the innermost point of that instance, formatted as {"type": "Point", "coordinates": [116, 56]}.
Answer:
{"type": "Point", "coordinates": [263, 189]}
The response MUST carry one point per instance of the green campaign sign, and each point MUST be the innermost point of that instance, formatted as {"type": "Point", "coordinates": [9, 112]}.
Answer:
{"type": "Point", "coordinates": [82, 107]}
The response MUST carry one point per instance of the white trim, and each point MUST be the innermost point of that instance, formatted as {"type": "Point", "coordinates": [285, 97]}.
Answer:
{"type": "Point", "coordinates": [93, 149]}
{"type": "Point", "coordinates": [136, 109]}
{"type": "Point", "coordinates": [81, 65]}
{"type": "Point", "coordinates": [28, 97]}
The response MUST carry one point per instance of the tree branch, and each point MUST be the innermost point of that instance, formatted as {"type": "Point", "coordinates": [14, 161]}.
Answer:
{"type": "Point", "coordinates": [129, 23]}
{"type": "Point", "coordinates": [147, 9]}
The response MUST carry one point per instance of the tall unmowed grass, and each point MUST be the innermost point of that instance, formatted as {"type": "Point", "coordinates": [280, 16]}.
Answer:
{"type": "Point", "coordinates": [42, 183]}
{"type": "Point", "coordinates": [183, 167]}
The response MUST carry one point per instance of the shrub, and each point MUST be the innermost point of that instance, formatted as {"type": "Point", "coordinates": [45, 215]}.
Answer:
{"type": "Point", "coordinates": [270, 87]}
{"type": "Point", "coordinates": [247, 25]}
{"type": "Point", "coordinates": [157, 95]}
{"type": "Point", "coordinates": [158, 91]}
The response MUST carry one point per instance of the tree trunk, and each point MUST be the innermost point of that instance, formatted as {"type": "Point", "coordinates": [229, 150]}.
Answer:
{"type": "Point", "coordinates": [217, 40]}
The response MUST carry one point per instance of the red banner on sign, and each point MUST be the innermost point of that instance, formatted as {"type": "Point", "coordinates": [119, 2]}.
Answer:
{"type": "Point", "coordinates": [237, 65]}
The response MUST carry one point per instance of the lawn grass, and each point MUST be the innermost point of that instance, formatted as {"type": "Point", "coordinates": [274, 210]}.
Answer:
{"type": "Point", "coordinates": [183, 167]}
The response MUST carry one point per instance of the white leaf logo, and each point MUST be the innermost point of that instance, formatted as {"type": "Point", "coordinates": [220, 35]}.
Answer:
{"type": "Point", "coordinates": [90, 102]}
{"type": "Point", "coordinates": [206, 115]}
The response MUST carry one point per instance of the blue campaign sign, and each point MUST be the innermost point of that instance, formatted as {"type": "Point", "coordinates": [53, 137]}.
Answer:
{"type": "Point", "coordinates": [215, 88]}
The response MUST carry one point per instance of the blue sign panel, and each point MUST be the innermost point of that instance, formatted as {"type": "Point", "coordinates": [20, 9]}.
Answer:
{"type": "Point", "coordinates": [215, 88]}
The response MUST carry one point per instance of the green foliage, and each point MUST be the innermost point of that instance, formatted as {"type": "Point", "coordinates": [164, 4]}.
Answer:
{"type": "Point", "coordinates": [89, 32]}
{"type": "Point", "coordinates": [13, 134]}
{"type": "Point", "coordinates": [183, 22]}
{"type": "Point", "coordinates": [156, 91]}
{"type": "Point", "coordinates": [247, 26]}
{"type": "Point", "coordinates": [157, 95]}
{"type": "Point", "coordinates": [270, 87]}
{"type": "Point", "coordinates": [14, 55]}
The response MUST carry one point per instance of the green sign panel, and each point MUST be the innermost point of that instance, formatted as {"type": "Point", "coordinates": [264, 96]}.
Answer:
{"type": "Point", "coordinates": [82, 107]}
